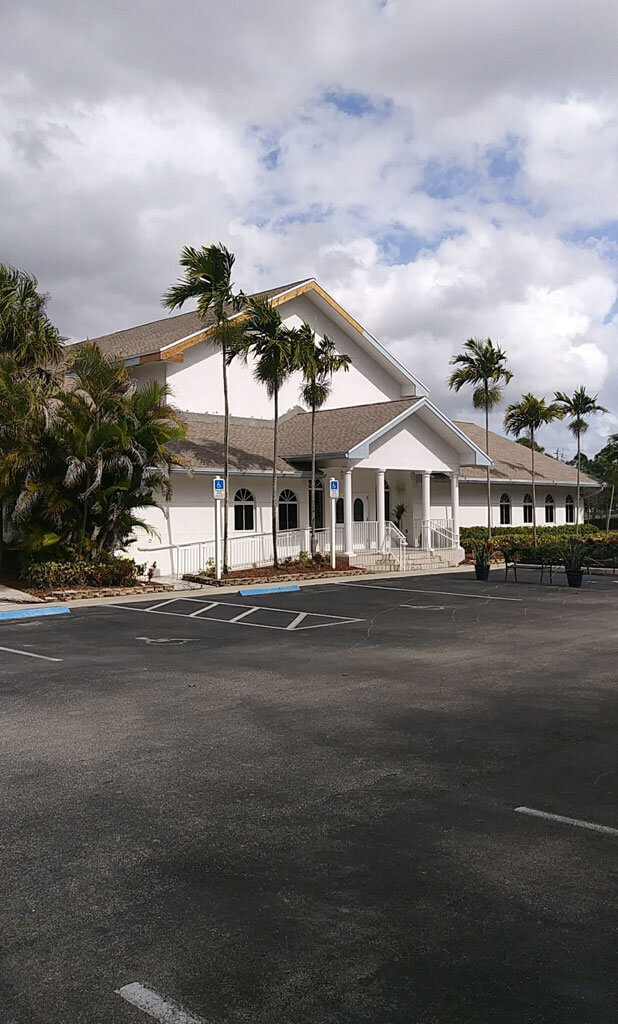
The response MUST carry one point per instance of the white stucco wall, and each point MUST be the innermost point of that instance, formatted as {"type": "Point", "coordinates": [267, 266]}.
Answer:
{"type": "Point", "coordinates": [197, 382]}
{"type": "Point", "coordinates": [473, 503]}
{"type": "Point", "coordinates": [189, 517]}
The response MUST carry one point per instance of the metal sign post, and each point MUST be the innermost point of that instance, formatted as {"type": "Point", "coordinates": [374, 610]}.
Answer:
{"type": "Point", "coordinates": [218, 490]}
{"type": "Point", "coordinates": [334, 494]}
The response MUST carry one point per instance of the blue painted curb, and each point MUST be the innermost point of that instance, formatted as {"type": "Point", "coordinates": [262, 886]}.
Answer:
{"type": "Point", "coordinates": [30, 613]}
{"type": "Point", "coordinates": [284, 588]}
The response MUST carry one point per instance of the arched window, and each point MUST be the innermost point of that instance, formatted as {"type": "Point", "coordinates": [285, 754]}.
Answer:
{"type": "Point", "coordinates": [527, 508]}
{"type": "Point", "coordinates": [569, 508]}
{"type": "Point", "coordinates": [505, 510]}
{"type": "Point", "coordinates": [387, 501]}
{"type": "Point", "coordinates": [339, 511]}
{"type": "Point", "coordinates": [319, 504]}
{"type": "Point", "coordinates": [244, 510]}
{"type": "Point", "coordinates": [549, 508]}
{"type": "Point", "coordinates": [288, 511]}
{"type": "Point", "coordinates": [359, 510]}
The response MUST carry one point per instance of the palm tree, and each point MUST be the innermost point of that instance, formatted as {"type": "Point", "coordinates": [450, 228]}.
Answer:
{"type": "Point", "coordinates": [578, 407]}
{"type": "Point", "coordinates": [104, 454]}
{"type": "Point", "coordinates": [526, 417]}
{"type": "Point", "coordinates": [208, 278]}
{"type": "Point", "coordinates": [318, 363]}
{"type": "Point", "coordinates": [26, 332]}
{"type": "Point", "coordinates": [273, 346]}
{"type": "Point", "coordinates": [482, 365]}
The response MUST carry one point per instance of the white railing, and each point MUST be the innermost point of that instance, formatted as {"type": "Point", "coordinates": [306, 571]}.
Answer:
{"type": "Point", "coordinates": [247, 550]}
{"type": "Point", "coordinates": [395, 543]}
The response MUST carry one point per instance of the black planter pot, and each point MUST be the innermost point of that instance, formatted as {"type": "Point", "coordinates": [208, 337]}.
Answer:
{"type": "Point", "coordinates": [575, 577]}
{"type": "Point", "coordinates": [482, 572]}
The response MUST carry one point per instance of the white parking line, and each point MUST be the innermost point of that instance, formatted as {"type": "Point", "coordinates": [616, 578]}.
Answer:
{"type": "Point", "coordinates": [577, 822]}
{"type": "Point", "coordinates": [29, 654]}
{"type": "Point", "coordinates": [204, 608]}
{"type": "Point", "coordinates": [243, 618]}
{"type": "Point", "coordinates": [243, 615]}
{"type": "Point", "coordinates": [442, 593]}
{"type": "Point", "coordinates": [154, 1005]}
{"type": "Point", "coordinates": [299, 618]}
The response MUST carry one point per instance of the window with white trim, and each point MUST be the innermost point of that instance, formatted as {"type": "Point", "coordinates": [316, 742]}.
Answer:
{"type": "Point", "coordinates": [549, 508]}
{"type": "Point", "coordinates": [288, 510]}
{"type": "Point", "coordinates": [528, 508]}
{"type": "Point", "coordinates": [505, 510]}
{"type": "Point", "coordinates": [244, 510]}
{"type": "Point", "coordinates": [569, 509]}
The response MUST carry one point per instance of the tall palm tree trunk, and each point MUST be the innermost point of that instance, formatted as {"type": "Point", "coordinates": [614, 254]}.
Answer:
{"type": "Point", "coordinates": [579, 458]}
{"type": "Point", "coordinates": [274, 486]}
{"type": "Point", "coordinates": [226, 454]}
{"type": "Point", "coordinates": [533, 486]}
{"type": "Point", "coordinates": [312, 481]}
{"type": "Point", "coordinates": [608, 521]}
{"type": "Point", "coordinates": [488, 467]}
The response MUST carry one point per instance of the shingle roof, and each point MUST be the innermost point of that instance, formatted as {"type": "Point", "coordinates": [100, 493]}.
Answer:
{"type": "Point", "coordinates": [147, 338]}
{"type": "Point", "coordinates": [338, 430]}
{"type": "Point", "coordinates": [513, 461]}
{"type": "Point", "coordinates": [250, 449]}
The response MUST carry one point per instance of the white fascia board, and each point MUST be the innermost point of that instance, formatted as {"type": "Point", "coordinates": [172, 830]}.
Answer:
{"type": "Point", "coordinates": [481, 459]}
{"type": "Point", "coordinates": [180, 341]}
{"type": "Point", "coordinates": [199, 470]}
{"type": "Point", "coordinates": [421, 389]}
{"type": "Point", "coordinates": [526, 481]}
{"type": "Point", "coordinates": [361, 450]}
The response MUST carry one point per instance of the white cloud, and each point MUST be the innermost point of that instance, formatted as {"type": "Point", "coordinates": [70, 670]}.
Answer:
{"type": "Point", "coordinates": [461, 206]}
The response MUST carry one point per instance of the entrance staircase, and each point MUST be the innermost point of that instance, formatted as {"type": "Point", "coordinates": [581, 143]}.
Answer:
{"type": "Point", "coordinates": [414, 560]}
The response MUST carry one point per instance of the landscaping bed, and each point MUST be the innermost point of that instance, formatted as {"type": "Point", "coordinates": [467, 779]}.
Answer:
{"type": "Point", "coordinates": [268, 574]}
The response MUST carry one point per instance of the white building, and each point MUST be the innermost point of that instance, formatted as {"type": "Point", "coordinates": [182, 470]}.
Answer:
{"type": "Point", "coordinates": [380, 436]}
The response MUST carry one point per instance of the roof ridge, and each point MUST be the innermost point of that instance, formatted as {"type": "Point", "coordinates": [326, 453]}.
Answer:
{"type": "Point", "coordinates": [176, 316]}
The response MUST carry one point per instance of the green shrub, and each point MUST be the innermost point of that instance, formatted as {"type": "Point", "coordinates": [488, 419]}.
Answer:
{"type": "Point", "coordinates": [106, 572]}
{"type": "Point", "coordinates": [470, 535]}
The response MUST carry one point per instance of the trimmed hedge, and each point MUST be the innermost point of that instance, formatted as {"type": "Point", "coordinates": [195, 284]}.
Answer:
{"type": "Point", "coordinates": [112, 572]}
{"type": "Point", "coordinates": [470, 535]}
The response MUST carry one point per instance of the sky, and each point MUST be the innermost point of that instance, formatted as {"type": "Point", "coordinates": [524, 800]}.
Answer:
{"type": "Point", "coordinates": [445, 170]}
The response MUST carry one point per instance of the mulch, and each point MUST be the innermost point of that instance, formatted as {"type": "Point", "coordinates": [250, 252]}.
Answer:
{"type": "Point", "coordinates": [284, 574]}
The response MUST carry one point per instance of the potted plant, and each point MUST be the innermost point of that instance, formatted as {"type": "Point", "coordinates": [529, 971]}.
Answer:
{"type": "Point", "coordinates": [573, 557]}
{"type": "Point", "coordinates": [482, 559]}
{"type": "Point", "coordinates": [399, 512]}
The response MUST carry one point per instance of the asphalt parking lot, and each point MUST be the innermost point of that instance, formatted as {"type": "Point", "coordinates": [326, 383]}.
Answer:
{"type": "Point", "coordinates": [302, 808]}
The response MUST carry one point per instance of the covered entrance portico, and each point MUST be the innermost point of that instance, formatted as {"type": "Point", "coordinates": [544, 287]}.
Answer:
{"type": "Point", "coordinates": [404, 482]}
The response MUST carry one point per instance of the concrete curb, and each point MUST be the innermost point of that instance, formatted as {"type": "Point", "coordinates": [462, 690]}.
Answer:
{"type": "Point", "coordinates": [32, 613]}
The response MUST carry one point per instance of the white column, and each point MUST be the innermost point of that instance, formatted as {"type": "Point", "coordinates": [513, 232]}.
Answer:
{"type": "Point", "coordinates": [347, 512]}
{"type": "Point", "coordinates": [426, 510]}
{"type": "Point", "coordinates": [380, 508]}
{"type": "Point", "coordinates": [455, 507]}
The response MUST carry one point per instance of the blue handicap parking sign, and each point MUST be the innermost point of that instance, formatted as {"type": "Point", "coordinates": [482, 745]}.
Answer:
{"type": "Point", "coordinates": [334, 487]}
{"type": "Point", "coordinates": [219, 485]}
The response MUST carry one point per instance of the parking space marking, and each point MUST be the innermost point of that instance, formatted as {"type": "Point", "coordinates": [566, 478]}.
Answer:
{"type": "Point", "coordinates": [577, 822]}
{"type": "Point", "coordinates": [244, 617]}
{"type": "Point", "coordinates": [299, 618]}
{"type": "Point", "coordinates": [204, 608]}
{"type": "Point", "coordinates": [442, 593]}
{"type": "Point", "coordinates": [154, 1005]}
{"type": "Point", "coordinates": [29, 654]}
